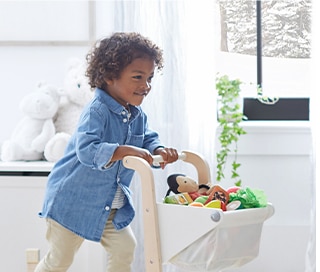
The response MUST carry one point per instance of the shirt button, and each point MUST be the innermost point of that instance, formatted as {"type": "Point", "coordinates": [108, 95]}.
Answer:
{"type": "Point", "coordinates": [123, 113]}
{"type": "Point", "coordinates": [107, 208]}
{"type": "Point", "coordinates": [125, 120]}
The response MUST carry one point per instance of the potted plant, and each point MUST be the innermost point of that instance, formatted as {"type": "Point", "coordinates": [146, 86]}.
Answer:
{"type": "Point", "coordinates": [230, 115]}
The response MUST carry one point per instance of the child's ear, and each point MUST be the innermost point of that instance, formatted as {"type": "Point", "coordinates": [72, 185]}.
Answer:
{"type": "Point", "coordinates": [109, 81]}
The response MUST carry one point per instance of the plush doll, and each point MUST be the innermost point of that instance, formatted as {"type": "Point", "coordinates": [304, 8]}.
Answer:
{"type": "Point", "coordinates": [36, 128]}
{"type": "Point", "coordinates": [180, 183]}
{"type": "Point", "coordinates": [76, 93]}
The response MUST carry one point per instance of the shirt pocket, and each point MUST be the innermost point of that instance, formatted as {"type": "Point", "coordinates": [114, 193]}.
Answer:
{"type": "Point", "coordinates": [135, 140]}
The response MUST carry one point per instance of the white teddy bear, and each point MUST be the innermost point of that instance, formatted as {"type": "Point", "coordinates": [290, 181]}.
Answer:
{"type": "Point", "coordinates": [76, 93]}
{"type": "Point", "coordinates": [34, 130]}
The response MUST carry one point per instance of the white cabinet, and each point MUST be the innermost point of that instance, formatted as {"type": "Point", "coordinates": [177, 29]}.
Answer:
{"type": "Point", "coordinates": [22, 187]}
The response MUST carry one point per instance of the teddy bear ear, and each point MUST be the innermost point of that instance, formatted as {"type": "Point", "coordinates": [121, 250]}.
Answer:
{"type": "Point", "coordinates": [25, 99]}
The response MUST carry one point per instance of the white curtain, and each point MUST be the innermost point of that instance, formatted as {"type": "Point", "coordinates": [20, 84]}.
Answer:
{"type": "Point", "coordinates": [181, 105]}
{"type": "Point", "coordinates": [314, 117]}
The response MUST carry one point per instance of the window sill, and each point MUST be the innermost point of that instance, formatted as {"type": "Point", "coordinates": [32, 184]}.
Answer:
{"type": "Point", "coordinates": [275, 138]}
{"type": "Point", "coordinates": [277, 126]}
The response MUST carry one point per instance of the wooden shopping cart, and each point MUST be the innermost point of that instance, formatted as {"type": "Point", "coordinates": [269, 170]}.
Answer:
{"type": "Point", "coordinates": [196, 239]}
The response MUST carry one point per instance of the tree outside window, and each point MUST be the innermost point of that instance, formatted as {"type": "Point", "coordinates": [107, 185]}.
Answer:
{"type": "Point", "coordinates": [286, 28]}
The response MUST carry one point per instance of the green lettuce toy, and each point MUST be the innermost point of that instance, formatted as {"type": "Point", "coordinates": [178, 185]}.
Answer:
{"type": "Point", "coordinates": [249, 198]}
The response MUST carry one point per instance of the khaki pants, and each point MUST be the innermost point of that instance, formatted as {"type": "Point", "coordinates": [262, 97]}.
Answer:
{"type": "Point", "coordinates": [63, 245]}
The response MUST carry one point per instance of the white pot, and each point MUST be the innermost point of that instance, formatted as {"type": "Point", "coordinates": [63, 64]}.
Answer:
{"type": "Point", "coordinates": [239, 101]}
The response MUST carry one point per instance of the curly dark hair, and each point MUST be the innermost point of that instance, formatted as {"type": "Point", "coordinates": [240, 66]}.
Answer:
{"type": "Point", "coordinates": [109, 56]}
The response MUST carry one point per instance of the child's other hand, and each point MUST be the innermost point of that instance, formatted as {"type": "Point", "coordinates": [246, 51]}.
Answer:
{"type": "Point", "coordinates": [168, 154]}
{"type": "Point", "coordinates": [143, 153]}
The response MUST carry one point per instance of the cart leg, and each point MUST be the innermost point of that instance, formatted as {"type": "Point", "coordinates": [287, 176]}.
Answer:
{"type": "Point", "coordinates": [152, 249]}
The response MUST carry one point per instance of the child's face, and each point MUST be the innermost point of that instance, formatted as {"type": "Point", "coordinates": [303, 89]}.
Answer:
{"type": "Point", "coordinates": [134, 82]}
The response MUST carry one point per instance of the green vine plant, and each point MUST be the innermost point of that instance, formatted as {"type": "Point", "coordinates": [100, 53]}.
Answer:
{"type": "Point", "coordinates": [230, 116]}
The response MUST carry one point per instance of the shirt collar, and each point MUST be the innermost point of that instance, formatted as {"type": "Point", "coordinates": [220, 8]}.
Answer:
{"type": "Point", "coordinates": [115, 106]}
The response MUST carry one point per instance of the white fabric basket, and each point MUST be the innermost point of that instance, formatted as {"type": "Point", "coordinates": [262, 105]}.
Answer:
{"type": "Point", "coordinates": [232, 241]}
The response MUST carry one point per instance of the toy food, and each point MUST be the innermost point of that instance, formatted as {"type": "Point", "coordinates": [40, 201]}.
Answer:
{"type": "Point", "coordinates": [182, 199]}
{"type": "Point", "coordinates": [187, 191]}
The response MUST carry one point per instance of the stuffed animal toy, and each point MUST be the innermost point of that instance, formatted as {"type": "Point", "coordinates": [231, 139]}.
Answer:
{"type": "Point", "coordinates": [76, 93]}
{"type": "Point", "coordinates": [180, 183]}
{"type": "Point", "coordinates": [36, 128]}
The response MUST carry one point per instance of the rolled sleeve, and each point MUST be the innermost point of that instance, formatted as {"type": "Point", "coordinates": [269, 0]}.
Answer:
{"type": "Point", "coordinates": [104, 155]}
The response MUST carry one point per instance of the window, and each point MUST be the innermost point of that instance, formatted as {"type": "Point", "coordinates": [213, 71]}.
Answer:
{"type": "Point", "coordinates": [285, 53]}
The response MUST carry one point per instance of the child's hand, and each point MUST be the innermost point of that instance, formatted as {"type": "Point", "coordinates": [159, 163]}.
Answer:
{"type": "Point", "coordinates": [169, 155]}
{"type": "Point", "coordinates": [129, 150]}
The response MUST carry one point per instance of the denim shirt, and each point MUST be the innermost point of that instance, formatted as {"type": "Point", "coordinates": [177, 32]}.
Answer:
{"type": "Point", "coordinates": [83, 183]}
